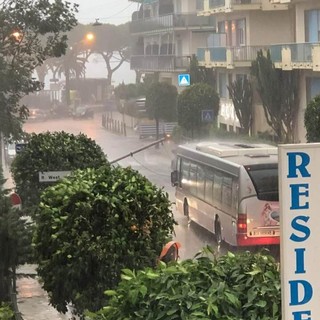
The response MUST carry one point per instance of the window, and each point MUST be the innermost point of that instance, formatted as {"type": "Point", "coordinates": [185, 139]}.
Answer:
{"type": "Point", "coordinates": [312, 25]}
{"type": "Point", "coordinates": [226, 193]}
{"type": "Point", "coordinates": [217, 188]}
{"type": "Point", "coordinates": [200, 183]}
{"type": "Point", "coordinates": [313, 88]}
{"type": "Point", "coordinates": [241, 32]}
{"type": "Point", "coordinates": [223, 85]}
{"type": "Point", "coordinates": [209, 175]}
{"type": "Point", "coordinates": [185, 164]}
{"type": "Point", "coordinates": [193, 179]}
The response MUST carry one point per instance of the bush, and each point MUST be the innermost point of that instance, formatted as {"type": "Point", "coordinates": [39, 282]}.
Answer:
{"type": "Point", "coordinates": [6, 312]}
{"type": "Point", "coordinates": [232, 287]}
{"type": "Point", "coordinates": [91, 225]}
{"type": "Point", "coordinates": [57, 151]}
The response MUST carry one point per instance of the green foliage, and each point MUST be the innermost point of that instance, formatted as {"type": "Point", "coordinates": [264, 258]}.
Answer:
{"type": "Point", "coordinates": [57, 151]}
{"type": "Point", "coordinates": [191, 102]}
{"type": "Point", "coordinates": [93, 224]}
{"type": "Point", "coordinates": [15, 241]}
{"type": "Point", "coordinates": [161, 101]}
{"type": "Point", "coordinates": [232, 287]}
{"type": "Point", "coordinates": [312, 120]}
{"type": "Point", "coordinates": [6, 312]}
{"type": "Point", "coordinates": [129, 91]}
{"type": "Point", "coordinates": [31, 31]}
{"type": "Point", "coordinates": [279, 93]}
{"type": "Point", "coordinates": [241, 94]}
{"type": "Point", "coordinates": [200, 74]}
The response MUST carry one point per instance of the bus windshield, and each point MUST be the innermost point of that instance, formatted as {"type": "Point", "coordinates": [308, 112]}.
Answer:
{"type": "Point", "coordinates": [265, 180]}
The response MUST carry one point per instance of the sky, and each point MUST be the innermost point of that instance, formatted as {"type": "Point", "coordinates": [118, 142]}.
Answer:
{"type": "Point", "coordinates": [107, 11]}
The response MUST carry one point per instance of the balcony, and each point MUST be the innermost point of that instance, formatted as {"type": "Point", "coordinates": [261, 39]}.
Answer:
{"type": "Point", "coordinates": [171, 22]}
{"type": "Point", "coordinates": [210, 7]}
{"type": "Point", "coordinates": [165, 63]}
{"type": "Point", "coordinates": [296, 56]}
{"type": "Point", "coordinates": [228, 57]}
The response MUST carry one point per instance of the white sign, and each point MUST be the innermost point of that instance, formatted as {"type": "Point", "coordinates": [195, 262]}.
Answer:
{"type": "Point", "coordinates": [299, 179]}
{"type": "Point", "coordinates": [52, 176]}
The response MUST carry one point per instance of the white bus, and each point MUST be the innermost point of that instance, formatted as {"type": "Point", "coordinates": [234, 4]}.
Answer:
{"type": "Point", "coordinates": [231, 190]}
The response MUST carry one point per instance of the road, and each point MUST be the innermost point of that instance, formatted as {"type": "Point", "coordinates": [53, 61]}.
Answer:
{"type": "Point", "coordinates": [153, 163]}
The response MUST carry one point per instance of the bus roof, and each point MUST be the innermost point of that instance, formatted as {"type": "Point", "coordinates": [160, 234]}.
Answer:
{"type": "Point", "coordinates": [232, 154]}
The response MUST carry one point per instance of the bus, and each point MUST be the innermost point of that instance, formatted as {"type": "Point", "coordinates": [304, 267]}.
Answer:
{"type": "Point", "coordinates": [230, 189]}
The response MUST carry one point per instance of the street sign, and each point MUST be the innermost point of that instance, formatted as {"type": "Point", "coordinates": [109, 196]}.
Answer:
{"type": "Point", "coordinates": [299, 181]}
{"type": "Point", "coordinates": [207, 115]}
{"type": "Point", "coordinates": [15, 200]}
{"type": "Point", "coordinates": [184, 80]}
{"type": "Point", "coordinates": [20, 147]}
{"type": "Point", "coordinates": [52, 176]}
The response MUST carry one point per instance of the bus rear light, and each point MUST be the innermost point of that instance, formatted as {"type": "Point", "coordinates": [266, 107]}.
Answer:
{"type": "Point", "coordinates": [242, 223]}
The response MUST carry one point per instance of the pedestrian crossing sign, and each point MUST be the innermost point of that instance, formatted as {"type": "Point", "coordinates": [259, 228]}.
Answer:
{"type": "Point", "coordinates": [207, 115]}
{"type": "Point", "coordinates": [184, 80]}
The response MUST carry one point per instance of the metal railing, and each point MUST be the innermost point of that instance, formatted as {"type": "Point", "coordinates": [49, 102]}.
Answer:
{"type": "Point", "coordinates": [159, 62]}
{"type": "Point", "coordinates": [171, 21]}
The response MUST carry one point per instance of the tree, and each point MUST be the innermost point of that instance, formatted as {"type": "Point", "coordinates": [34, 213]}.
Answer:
{"type": "Point", "coordinates": [279, 93]}
{"type": "Point", "coordinates": [200, 74]}
{"type": "Point", "coordinates": [31, 32]}
{"type": "Point", "coordinates": [15, 242]}
{"type": "Point", "coordinates": [91, 225]}
{"type": "Point", "coordinates": [57, 151]}
{"type": "Point", "coordinates": [161, 102]}
{"type": "Point", "coordinates": [232, 286]}
{"type": "Point", "coordinates": [312, 120]}
{"type": "Point", "coordinates": [192, 101]}
{"type": "Point", "coordinates": [241, 94]}
{"type": "Point", "coordinates": [112, 43]}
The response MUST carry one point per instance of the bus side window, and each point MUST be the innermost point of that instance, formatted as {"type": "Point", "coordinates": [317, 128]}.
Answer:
{"type": "Point", "coordinates": [200, 182]}
{"type": "Point", "coordinates": [227, 193]}
{"type": "Point", "coordinates": [185, 164]}
{"type": "Point", "coordinates": [193, 178]}
{"type": "Point", "coordinates": [235, 194]}
{"type": "Point", "coordinates": [217, 188]}
{"type": "Point", "coordinates": [209, 174]}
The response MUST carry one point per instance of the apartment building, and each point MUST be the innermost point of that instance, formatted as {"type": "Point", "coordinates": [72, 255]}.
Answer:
{"type": "Point", "coordinates": [290, 29]}
{"type": "Point", "coordinates": [165, 34]}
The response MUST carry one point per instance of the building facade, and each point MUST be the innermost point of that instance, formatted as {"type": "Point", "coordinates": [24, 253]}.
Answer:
{"type": "Point", "coordinates": [166, 33]}
{"type": "Point", "coordinates": [290, 29]}
{"type": "Point", "coordinates": [226, 36]}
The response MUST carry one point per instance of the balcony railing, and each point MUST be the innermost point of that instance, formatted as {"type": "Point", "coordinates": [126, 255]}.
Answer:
{"type": "Point", "coordinates": [236, 54]}
{"type": "Point", "coordinates": [300, 52]}
{"type": "Point", "coordinates": [170, 22]}
{"type": "Point", "coordinates": [159, 63]}
{"type": "Point", "coordinates": [214, 4]}
{"type": "Point", "coordinates": [284, 56]}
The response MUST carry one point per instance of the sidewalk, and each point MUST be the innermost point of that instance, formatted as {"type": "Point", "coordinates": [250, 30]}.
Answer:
{"type": "Point", "coordinates": [32, 299]}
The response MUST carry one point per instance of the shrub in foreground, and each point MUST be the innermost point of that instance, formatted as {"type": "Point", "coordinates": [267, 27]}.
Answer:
{"type": "Point", "coordinates": [232, 287]}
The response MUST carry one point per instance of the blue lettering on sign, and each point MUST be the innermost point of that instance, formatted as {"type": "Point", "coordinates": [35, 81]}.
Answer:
{"type": "Point", "coordinates": [301, 291]}
{"type": "Point", "coordinates": [295, 196]}
{"type": "Point", "coordinates": [307, 290]}
{"type": "Point", "coordinates": [293, 166]}
{"type": "Point", "coordinates": [298, 315]}
{"type": "Point", "coordinates": [301, 228]}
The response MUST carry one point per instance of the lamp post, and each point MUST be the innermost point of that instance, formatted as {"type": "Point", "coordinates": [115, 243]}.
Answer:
{"type": "Point", "coordinates": [73, 53]}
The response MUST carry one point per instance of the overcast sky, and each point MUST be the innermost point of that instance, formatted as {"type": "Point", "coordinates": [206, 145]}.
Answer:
{"type": "Point", "coordinates": [107, 11]}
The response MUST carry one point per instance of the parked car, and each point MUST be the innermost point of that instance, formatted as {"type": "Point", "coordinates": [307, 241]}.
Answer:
{"type": "Point", "coordinates": [37, 114]}
{"type": "Point", "coordinates": [83, 112]}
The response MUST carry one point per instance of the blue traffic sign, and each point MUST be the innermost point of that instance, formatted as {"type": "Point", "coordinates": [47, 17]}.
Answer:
{"type": "Point", "coordinates": [207, 115]}
{"type": "Point", "coordinates": [20, 147]}
{"type": "Point", "coordinates": [184, 80]}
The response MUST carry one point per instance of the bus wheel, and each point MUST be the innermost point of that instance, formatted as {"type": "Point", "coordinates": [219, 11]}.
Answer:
{"type": "Point", "coordinates": [217, 231]}
{"type": "Point", "coordinates": [186, 209]}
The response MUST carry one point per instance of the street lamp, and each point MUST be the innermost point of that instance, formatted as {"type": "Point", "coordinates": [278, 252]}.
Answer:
{"type": "Point", "coordinates": [88, 38]}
